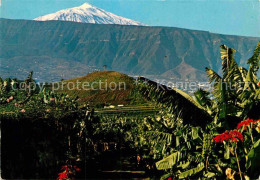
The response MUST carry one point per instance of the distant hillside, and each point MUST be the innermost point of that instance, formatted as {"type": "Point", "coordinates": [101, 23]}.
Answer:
{"type": "Point", "coordinates": [58, 49]}
{"type": "Point", "coordinates": [115, 88]}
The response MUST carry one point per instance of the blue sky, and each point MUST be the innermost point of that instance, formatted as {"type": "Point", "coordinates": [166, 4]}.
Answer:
{"type": "Point", "coordinates": [237, 17]}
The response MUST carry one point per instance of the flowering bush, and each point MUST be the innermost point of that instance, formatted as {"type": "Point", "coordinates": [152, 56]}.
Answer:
{"type": "Point", "coordinates": [245, 152]}
{"type": "Point", "coordinates": [229, 136]}
{"type": "Point", "coordinates": [68, 172]}
{"type": "Point", "coordinates": [63, 175]}
{"type": "Point", "coordinates": [248, 123]}
{"type": "Point", "coordinates": [245, 123]}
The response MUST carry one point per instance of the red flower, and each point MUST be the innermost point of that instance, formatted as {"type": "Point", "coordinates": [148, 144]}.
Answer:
{"type": "Point", "coordinates": [236, 134]}
{"type": "Point", "coordinates": [78, 169]}
{"type": "Point", "coordinates": [258, 83]}
{"type": "Point", "coordinates": [67, 171]}
{"type": "Point", "coordinates": [232, 136]}
{"type": "Point", "coordinates": [245, 123]}
{"type": "Point", "coordinates": [62, 175]}
{"type": "Point", "coordinates": [170, 178]}
{"type": "Point", "coordinates": [257, 121]}
{"type": "Point", "coordinates": [64, 167]}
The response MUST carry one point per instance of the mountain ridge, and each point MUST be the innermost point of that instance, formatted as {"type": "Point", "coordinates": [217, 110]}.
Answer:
{"type": "Point", "coordinates": [54, 48]}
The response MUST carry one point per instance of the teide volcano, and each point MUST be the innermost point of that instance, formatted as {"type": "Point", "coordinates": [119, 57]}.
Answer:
{"type": "Point", "coordinates": [88, 13]}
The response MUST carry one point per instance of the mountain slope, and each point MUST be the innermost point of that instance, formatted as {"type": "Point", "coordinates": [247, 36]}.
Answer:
{"type": "Point", "coordinates": [87, 13]}
{"type": "Point", "coordinates": [58, 49]}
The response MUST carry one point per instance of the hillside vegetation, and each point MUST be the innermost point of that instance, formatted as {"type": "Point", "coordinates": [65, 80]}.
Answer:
{"type": "Point", "coordinates": [115, 89]}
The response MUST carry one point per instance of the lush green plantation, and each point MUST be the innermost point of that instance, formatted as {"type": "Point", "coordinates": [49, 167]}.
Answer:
{"type": "Point", "coordinates": [39, 130]}
{"type": "Point", "coordinates": [206, 137]}
{"type": "Point", "coordinates": [50, 135]}
{"type": "Point", "coordinates": [43, 131]}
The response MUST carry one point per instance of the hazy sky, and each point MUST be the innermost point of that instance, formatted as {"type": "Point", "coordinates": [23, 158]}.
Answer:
{"type": "Point", "coordinates": [238, 17]}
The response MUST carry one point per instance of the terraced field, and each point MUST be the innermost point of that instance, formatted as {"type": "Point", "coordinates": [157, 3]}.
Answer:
{"type": "Point", "coordinates": [131, 109]}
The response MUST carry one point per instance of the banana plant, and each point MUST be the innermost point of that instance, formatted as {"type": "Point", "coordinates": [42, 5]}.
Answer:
{"type": "Point", "coordinates": [174, 101]}
{"type": "Point", "coordinates": [235, 96]}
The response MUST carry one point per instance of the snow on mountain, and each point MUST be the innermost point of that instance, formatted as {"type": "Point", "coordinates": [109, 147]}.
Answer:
{"type": "Point", "coordinates": [88, 13]}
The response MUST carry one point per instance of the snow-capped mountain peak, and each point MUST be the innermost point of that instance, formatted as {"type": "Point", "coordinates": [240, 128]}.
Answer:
{"type": "Point", "coordinates": [87, 13]}
{"type": "Point", "coordinates": [86, 5]}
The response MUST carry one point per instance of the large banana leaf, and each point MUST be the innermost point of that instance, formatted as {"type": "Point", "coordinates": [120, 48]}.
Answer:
{"type": "Point", "coordinates": [228, 61]}
{"type": "Point", "coordinates": [251, 78]}
{"type": "Point", "coordinates": [192, 171]}
{"type": "Point", "coordinates": [202, 97]}
{"type": "Point", "coordinates": [169, 161]}
{"type": "Point", "coordinates": [213, 76]}
{"type": "Point", "coordinates": [254, 60]}
{"type": "Point", "coordinates": [188, 97]}
{"type": "Point", "coordinates": [161, 136]}
{"type": "Point", "coordinates": [254, 159]}
{"type": "Point", "coordinates": [216, 80]}
{"type": "Point", "coordinates": [175, 101]}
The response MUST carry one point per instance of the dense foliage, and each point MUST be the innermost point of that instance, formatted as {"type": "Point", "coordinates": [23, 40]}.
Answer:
{"type": "Point", "coordinates": [209, 135]}
{"type": "Point", "coordinates": [189, 137]}
{"type": "Point", "coordinates": [41, 131]}
{"type": "Point", "coordinates": [44, 131]}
